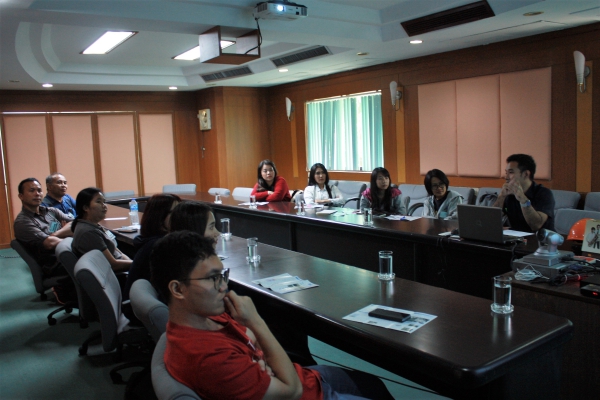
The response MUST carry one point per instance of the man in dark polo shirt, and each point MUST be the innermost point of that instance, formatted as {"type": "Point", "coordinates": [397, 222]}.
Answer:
{"type": "Point", "coordinates": [529, 206]}
{"type": "Point", "coordinates": [40, 229]}
{"type": "Point", "coordinates": [56, 195]}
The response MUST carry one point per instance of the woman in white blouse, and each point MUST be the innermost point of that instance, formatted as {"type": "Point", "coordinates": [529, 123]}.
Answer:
{"type": "Point", "coordinates": [319, 190]}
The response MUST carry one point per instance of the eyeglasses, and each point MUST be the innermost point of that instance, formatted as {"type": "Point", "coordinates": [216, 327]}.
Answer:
{"type": "Point", "coordinates": [217, 279]}
{"type": "Point", "coordinates": [439, 186]}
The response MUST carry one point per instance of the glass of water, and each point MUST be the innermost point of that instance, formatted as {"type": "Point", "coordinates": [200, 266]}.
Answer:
{"type": "Point", "coordinates": [386, 266]}
{"type": "Point", "coordinates": [502, 293]}
{"type": "Point", "coordinates": [253, 256]}
{"type": "Point", "coordinates": [368, 216]}
{"type": "Point", "coordinates": [218, 199]}
{"type": "Point", "coordinates": [225, 228]}
{"type": "Point", "coordinates": [301, 208]}
{"type": "Point", "coordinates": [253, 201]}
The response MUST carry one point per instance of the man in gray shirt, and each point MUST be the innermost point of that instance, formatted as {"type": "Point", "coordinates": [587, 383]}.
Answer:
{"type": "Point", "coordinates": [40, 229]}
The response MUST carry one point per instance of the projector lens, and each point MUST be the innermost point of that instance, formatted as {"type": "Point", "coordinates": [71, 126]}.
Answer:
{"type": "Point", "coordinates": [280, 8]}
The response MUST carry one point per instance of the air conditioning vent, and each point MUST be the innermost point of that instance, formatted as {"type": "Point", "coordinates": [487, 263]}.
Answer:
{"type": "Point", "coordinates": [445, 19]}
{"type": "Point", "coordinates": [231, 73]}
{"type": "Point", "coordinates": [300, 56]}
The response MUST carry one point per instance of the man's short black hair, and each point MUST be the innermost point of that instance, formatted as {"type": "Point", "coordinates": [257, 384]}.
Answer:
{"type": "Point", "coordinates": [24, 181]}
{"type": "Point", "coordinates": [175, 256]}
{"type": "Point", "coordinates": [525, 163]}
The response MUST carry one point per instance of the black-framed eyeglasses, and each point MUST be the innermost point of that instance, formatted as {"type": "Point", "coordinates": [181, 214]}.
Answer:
{"type": "Point", "coordinates": [217, 279]}
{"type": "Point", "coordinates": [438, 186]}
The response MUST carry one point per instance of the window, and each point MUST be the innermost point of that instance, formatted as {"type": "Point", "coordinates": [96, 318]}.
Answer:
{"type": "Point", "coordinates": [345, 133]}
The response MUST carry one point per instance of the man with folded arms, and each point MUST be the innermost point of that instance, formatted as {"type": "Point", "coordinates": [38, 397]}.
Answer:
{"type": "Point", "coordinates": [220, 347]}
{"type": "Point", "coordinates": [56, 195]}
{"type": "Point", "coordinates": [528, 205]}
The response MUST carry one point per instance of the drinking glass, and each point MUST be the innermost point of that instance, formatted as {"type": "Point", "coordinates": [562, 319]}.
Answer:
{"type": "Point", "coordinates": [386, 266]}
{"type": "Point", "coordinates": [218, 199]}
{"type": "Point", "coordinates": [502, 293]}
{"type": "Point", "coordinates": [252, 250]}
{"type": "Point", "coordinates": [225, 228]}
{"type": "Point", "coordinates": [253, 202]}
{"type": "Point", "coordinates": [301, 209]}
{"type": "Point", "coordinates": [368, 216]}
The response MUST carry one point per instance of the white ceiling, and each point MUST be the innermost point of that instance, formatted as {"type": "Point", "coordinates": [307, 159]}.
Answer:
{"type": "Point", "coordinates": [41, 40]}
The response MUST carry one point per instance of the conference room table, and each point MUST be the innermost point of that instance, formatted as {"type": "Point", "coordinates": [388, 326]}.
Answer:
{"type": "Point", "coordinates": [466, 352]}
{"type": "Point", "coordinates": [420, 254]}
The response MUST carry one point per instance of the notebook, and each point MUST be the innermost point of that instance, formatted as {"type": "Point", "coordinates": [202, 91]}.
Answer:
{"type": "Point", "coordinates": [483, 224]}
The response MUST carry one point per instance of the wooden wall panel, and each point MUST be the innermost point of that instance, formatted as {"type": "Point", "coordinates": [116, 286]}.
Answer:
{"type": "Point", "coordinates": [117, 152]}
{"type": "Point", "coordinates": [596, 128]}
{"type": "Point", "coordinates": [74, 151]}
{"type": "Point", "coordinates": [212, 161]}
{"type": "Point", "coordinates": [157, 151]}
{"type": "Point", "coordinates": [26, 138]}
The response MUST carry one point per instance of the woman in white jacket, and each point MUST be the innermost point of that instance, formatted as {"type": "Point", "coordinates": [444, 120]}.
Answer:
{"type": "Point", "coordinates": [441, 203]}
{"type": "Point", "coordinates": [319, 191]}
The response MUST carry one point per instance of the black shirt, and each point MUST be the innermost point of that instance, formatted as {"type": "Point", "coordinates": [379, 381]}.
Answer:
{"type": "Point", "coordinates": [541, 199]}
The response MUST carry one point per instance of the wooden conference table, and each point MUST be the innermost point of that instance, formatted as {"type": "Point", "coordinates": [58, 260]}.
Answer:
{"type": "Point", "coordinates": [420, 254]}
{"type": "Point", "coordinates": [466, 352]}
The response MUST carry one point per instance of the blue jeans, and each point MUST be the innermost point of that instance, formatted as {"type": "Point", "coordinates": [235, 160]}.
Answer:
{"type": "Point", "coordinates": [342, 384]}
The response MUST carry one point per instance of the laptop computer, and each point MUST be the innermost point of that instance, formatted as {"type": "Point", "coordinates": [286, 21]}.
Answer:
{"type": "Point", "coordinates": [483, 224]}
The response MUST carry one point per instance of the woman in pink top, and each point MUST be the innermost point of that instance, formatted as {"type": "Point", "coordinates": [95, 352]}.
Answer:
{"type": "Point", "coordinates": [270, 187]}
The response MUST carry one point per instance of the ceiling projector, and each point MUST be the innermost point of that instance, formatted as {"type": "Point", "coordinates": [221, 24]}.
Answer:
{"type": "Point", "coordinates": [279, 10]}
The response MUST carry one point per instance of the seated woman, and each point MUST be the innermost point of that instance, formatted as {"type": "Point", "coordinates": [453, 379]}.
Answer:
{"type": "Point", "coordinates": [89, 235]}
{"type": "Point", "coordinates": [270, 187]}
{"type": "Point", "coordinates": [441, 202]}
{"type": "Point", "coordinates": [381, 196]}
{"type": "Point", "coordinates": [196, 217]}
{"type": "Point", "coordinates": [155, 224]}
{"type": "Point", "coordinates": [319, 190]}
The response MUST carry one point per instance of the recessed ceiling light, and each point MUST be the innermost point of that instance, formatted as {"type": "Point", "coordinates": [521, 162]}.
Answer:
{"type": "Point", "coordinates": [417, 41]}
{"type": "Point", "coordinates": [47, 85]}
{"type": "Point", "coordinates": [531, 14]}
{"type": "Point", "coordinates": [173, 87]}
{"type": "Point", "coordinates": [362, 53]}
{"type": "Point", "coordinates": [283, 70]}
{"type": "Point", "coordinates": [194, 54]}
{"type": "Point", "coordinates": [107, 42]}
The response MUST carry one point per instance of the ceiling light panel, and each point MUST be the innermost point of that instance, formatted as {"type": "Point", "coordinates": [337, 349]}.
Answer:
{"type": "Point", "coordinates": [107, 42]}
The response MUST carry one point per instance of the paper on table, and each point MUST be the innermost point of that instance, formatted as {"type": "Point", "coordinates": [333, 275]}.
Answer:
{"type": "Point", "coordinates": [285, 283]}
{"type": "Point", "coordinates": [402, 218]}
{"type": "Point", "coordinates": [510, 232]}
{"type": "Point", "coordinates": [416, 321]}
{"type": "Point", "coordinates": [312, 205]}
{"type": "Point", "coordinates": [258, 203]}
{"type": "Point", "coordinates": [326, 212]}
{"type": "Point", "coordinates": [115, 218]}
{"type": "Point", "coordinates": [268, 282]}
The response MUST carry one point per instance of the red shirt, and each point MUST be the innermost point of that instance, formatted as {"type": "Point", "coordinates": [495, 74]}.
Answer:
{"type": "Point", "coordinates": [281, 191]}
{"type": "Point", "coordinates": [219, 364]}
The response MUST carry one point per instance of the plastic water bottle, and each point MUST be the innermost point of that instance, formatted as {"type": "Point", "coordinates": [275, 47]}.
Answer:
{"type": "Point", "coordinates": [133, 213]}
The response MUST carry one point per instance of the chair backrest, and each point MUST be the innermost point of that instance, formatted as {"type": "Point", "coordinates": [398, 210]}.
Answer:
{"type": "Point", "coordinates": [298, 196]}
{"type": "Point", "coordinates": [592, 201]}
{"type": "Point", "coordinates": [242, 193]}
{"type": "Point", "coordinates": [467, 193]}
{"type": "Point", "coordinates": [165, 386]}
{"type": "Point", "coordinates": [481, 195]}
{"type": "Point", "coordinates": [566, 217]}
{"type": "Point", "coordinates": [351, 189]}
{"type": "Point", "coordinates": [153, 313]}
{"type": "Point", "coordinates": [41, 284]}
{"type": "Point", "coordinates": [180, 188]}
{"type": "Point", "coordinates": [119, 193]}
{"type": "Point", "coordinates": [99, 281]}
{"type": "Point", "coordinates": [221, 191]}
{"type": "Point", "coordinates": [417, 194]}
{"type": "Point", "coordinates": [565, 199]}
{"type": "Point", "coordinates": [64, 253]}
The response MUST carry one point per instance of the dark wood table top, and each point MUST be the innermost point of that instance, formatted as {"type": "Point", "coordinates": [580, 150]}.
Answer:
{"type": "Point", "coordinates": [466, 345]}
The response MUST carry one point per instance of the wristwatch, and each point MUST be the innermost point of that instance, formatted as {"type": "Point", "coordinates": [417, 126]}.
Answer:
{"type": "Point", "coordinates": [526, 204]}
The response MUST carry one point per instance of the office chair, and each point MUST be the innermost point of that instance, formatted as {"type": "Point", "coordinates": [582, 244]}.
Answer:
{"type": "Point", "coordinates": [351, 191]}
{"type": "Point", "coordinates": [87, 310]}
{"type": "Point", "coordinates": [221, 191]}
{"type": "Point", "coordinates": [153, 313]}
{"type": "Point", "coordinates": [180, 188]}
{"type": "Point", "coordinates": [42, 284]}
{"type": "Point", "coordinates": [165, 386]}
{"type": "Point", "coordinates": [592, 201]}
{"type": "Point", "coordinates": [100, 283]}
{"type": "Point", "coordinates": [242, 193]}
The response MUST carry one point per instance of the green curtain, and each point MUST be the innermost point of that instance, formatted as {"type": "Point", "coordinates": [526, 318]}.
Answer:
{"type": "Point", "coordinates": [335, 128]}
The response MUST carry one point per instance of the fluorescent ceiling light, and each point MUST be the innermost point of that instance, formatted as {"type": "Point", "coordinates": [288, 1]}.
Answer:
{"type": "Point", "coordinates": [107, 42]}
{"type": "Point", "coordinates": [283, 70]}
{"type": "Point", "coordinates": [417, 41]}
{"type": "Point", "coordinates": [47, 85]}
{"type": "Point", "coordinates": [194, 54]}
{"type": "Point", "coordinates": [173, 87]}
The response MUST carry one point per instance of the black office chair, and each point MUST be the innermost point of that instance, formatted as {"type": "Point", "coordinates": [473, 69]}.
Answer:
{"type": "Point", "coordinates": [41, 283]}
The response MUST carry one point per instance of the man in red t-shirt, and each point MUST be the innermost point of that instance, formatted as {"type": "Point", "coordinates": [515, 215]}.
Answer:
{"type": "Point", "coordinates": [219, 346]}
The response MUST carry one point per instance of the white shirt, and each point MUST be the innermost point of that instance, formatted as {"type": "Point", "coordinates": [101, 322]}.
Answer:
{"type": "Point", "coordinates": [313, 193]}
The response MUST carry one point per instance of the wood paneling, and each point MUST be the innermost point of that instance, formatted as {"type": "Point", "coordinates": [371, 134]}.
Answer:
{"type": "Point", "coordinates": [157, 151]}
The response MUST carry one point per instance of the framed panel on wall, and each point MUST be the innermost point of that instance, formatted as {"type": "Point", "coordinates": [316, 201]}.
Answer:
{"type": "Point", "coordinates": [116, 137]}
{"type": "Point", "coordinates": [157, 151]}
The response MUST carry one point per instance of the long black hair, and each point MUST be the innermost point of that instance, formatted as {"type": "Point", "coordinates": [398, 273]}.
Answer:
{"type": "Point", "coordinates": [261, 181]}
{"type": "Point", "coordinates": [156, 212]}
{"type": "Point", "coordinates": [313, 182]}
{"type": "Point", "coordinates": [84, 199]}
{"type": "Point", "coordinates": [190, 216]}
{"type": "Point", "coordinates": [387, 197]}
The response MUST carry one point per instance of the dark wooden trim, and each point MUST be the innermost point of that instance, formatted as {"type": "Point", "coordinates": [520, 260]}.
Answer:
{"type": "Point", "coordinates": [51, 148]}
{"type": "Point", "coordinates": [96, 147]}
